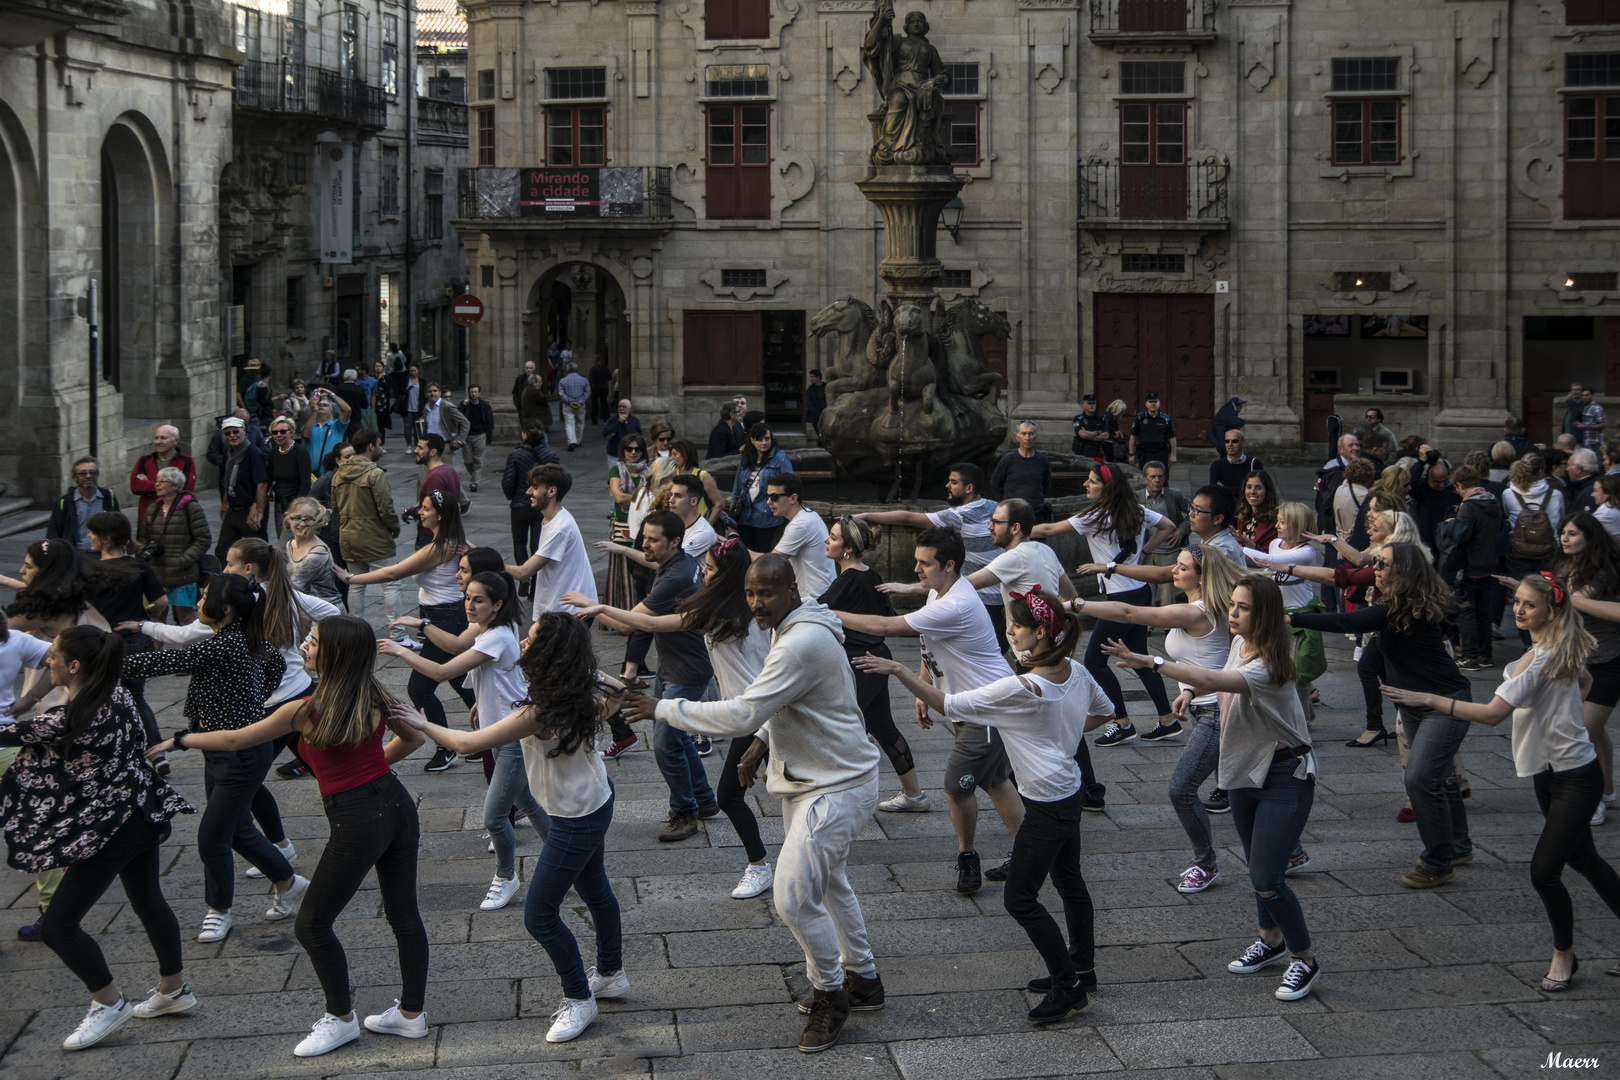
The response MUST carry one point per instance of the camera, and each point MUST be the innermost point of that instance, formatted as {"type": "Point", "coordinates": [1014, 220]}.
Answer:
{"type": "Point", "coordinates": [152, 550]}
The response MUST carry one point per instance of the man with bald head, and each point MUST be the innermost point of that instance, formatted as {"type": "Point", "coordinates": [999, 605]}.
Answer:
{"type": "Point", "coordinates": [824, 768]}
{"type": "Point", "coordinates": [165, 454]}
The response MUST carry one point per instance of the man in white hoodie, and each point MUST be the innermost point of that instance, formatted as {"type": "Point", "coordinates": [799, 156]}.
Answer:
{"type": "Point", "coordinates": [824, 767]}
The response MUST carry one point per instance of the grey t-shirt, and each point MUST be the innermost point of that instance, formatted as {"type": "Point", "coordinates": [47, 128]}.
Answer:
{"type": "Point", "coordinates": [683, 659]}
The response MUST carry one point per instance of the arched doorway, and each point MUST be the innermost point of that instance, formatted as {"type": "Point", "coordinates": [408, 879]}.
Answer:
{"type": "Point", "coordinates": [132, 269]}
{"type": "Point", "coordinates": [580, 308]}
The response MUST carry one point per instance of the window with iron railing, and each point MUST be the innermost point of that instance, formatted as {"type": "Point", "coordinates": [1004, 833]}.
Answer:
{"type": "Point", "coordinates": [1141, 263]}
{"type": "Point", "coordinates": [576, 136]}
{"type": "Point", "coordinates": [388, 183]}
{"type": "Point", "coordinates": [955, 279]}
{"type": "Point", "coordinates": [1152, 77]}
{"type": "Point", "coordinates": [742, 279]}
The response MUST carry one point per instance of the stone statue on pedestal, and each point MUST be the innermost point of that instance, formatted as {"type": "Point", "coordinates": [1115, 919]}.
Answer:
{"type": "Point", "coordinates": [910, 129]}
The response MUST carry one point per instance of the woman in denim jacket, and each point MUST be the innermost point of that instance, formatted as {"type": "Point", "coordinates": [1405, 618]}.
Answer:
{"type": "Point", "coordinates": [761, 459]}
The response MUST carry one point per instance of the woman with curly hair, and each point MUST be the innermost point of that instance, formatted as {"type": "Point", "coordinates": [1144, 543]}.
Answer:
{"type": "Point", "coordinates": [1397, 482]}
{"type": "Point", "coordinates": [1409, 618]}
{"type": "Point", "coordinates": [558, 724]}
{"type": "Point", "coordinates": [1542, 692]}
{"type": "Point", "coordinates": [1590, 565]}
{"type": "Point", "coordinates": [371, 817]}
{"type": "Point", "coordinates": [1256, 522]}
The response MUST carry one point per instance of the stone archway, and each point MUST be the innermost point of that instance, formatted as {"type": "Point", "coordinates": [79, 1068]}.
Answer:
{"type": "Point", "coordinates": [25, 356]}
{"type": "Point", "coordinates": [580, 306]}
{"type": "Point", "coordinates": [136, 279]}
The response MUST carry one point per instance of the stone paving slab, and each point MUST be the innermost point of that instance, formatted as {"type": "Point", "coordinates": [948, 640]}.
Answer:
{"type": "Point", "coordinates": [1070, 1052]}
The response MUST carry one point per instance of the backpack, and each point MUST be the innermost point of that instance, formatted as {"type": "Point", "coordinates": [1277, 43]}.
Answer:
{"type": "Point", "coordinates": [1327, 486]}
{"type": "Point", "coordinates": [1451, 538]}
{"type": "Point", "coordinates": [1532, 537]}
{"type": "Point", "coordinates": [1358, 537]}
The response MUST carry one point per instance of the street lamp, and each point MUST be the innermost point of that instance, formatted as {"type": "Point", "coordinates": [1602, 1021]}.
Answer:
{"type": "Point", "coordinates": [950, 216]}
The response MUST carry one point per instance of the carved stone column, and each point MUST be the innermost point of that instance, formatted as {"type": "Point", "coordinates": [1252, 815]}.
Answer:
{"type": "Point", "coordinates": [910, 198]}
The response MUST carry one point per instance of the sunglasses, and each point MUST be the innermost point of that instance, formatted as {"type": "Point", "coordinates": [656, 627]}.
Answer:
{"type": "Point", "coordinates": [1380, 564]}
{"type": "Point", "coordinates": [772, 496]}
{"type": "Point", "coordinates": [1233, 442]}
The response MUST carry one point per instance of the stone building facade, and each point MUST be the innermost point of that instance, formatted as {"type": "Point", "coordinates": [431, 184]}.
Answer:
{"type": "Point", "coordinates": [114, 126]}
{"type": "Point", "coordinates": [319, 80]}
{"type": "Point", "coordinates": [1314, 205]}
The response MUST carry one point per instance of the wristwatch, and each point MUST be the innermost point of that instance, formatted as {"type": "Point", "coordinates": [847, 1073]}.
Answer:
{"type": "Point", "coordinates": [1111, 566]}
{"type": "Point", "coordinates": [1158, 662]}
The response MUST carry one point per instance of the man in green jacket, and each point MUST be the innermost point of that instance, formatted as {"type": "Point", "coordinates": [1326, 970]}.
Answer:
{"type": "Point", "coordinates": [365, 504]}
{"type": "Point", "coordinates": [85, 499]}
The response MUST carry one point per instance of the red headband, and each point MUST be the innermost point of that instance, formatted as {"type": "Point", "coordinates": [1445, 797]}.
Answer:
{"type": "Point", "coordinates": [1557, 589]}
{"type": "Point", "coordinates": [1043, 612]}
{"type": "Point", "coordinates": [1107, 474]}
{"type": "Point", "coordinates": [726, 546]}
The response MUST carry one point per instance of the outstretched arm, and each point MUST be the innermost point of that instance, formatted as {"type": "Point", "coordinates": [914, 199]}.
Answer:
{"type": "Point", "coordinates": [1203, 680]}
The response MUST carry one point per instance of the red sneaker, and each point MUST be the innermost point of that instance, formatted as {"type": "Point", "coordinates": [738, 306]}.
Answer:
{"type": "Point", "coordinates": [621, 746]}
{"type": "Point", "coordinates": [1406, 815]}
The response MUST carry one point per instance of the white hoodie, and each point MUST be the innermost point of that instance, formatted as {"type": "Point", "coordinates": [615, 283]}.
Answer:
{"type": "Point", "coordinates": [807, 692]}
{"type": "Point", "coordinates": [1541, 495]}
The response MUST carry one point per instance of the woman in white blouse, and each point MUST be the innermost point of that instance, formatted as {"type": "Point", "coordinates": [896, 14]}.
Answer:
{"type": "Point", "coordinates": [1542, 692]}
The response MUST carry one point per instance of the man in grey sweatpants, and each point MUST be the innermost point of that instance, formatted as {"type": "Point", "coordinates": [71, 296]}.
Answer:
{"type": "Point", "coordinates": [824, 767]}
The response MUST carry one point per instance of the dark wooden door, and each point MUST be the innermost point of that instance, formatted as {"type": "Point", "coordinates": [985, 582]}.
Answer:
{"type": "Point", "coordinates": [1153, 160]}
{"type": "Point", "coordinates": [1538, 423]}
{"type": "Point", "coordinates": [1146, 343]}
{"type": "Point", "coordinates": [1318, 407]}
{"type": "Point", "coordinates": [1153, 14]}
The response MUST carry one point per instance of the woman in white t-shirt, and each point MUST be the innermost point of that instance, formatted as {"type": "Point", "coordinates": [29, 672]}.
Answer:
{"type": "Point", "coordinates": [490, 664]}
{"type": "Point", "coordinates": [559, 725]}
{"type": "Point", "coordinates": [1119, 529]}
{"type": "Point", "coordinates": [1197, 635]}
{"type": "Point", "coordinates": [1266, 767]}
{"type": "Point", "coordinates": [1542, 691]}
{"type": "Point", "coordinates": [1288, 551]}
{"type": "Point", "coordinates": [737, 650]}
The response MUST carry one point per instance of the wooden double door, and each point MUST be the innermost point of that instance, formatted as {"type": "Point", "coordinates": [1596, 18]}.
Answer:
{"type": "Point", "coordinates": [1153, 342]}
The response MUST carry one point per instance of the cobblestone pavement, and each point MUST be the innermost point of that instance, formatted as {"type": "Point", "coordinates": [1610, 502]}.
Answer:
{"type": "Point", "coordinates": [1442, 983]}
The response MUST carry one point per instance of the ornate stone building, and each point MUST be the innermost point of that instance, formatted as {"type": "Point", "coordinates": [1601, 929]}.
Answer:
{"type": "Point", "coordinates": [114, 125]}
{"type": "Point", "coordinates": [1316, 205]}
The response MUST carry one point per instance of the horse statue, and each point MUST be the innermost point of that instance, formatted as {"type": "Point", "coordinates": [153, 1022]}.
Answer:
{"type": "Point", "coordinates": [912, 353]}
{"type": "Point", "coordinates": [962, 327]}
{"type": "Point", "coordinates": [853, 321]}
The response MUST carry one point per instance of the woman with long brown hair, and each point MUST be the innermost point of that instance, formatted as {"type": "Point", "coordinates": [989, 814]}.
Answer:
{"type": "Point", "coordinates": [625, 478]}
{"type": "Point", "coordinates": [1590, 565]}
{"type": "Point", "coordinates": [1256, 524]}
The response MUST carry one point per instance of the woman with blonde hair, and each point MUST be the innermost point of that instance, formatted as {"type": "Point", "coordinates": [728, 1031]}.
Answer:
{"type": "Point", "coordinates": [1397, 482]}
{"type": "Point", "coordinates": [1542, 692]}
{"type": "Point", "coordinates": [309, 560]}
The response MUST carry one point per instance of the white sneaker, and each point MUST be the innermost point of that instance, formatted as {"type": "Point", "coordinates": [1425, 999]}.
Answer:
{"type": "Point", "coordinates": [1601, 814]}
{"type": "Point", "coordinates": [161, 1004]}
{"type": "Point", "coordinates": [571, 1019]}
{"type": "Point", "coordinates": [327, 1035]}
{"type": "Point", "coordinates": [216, 926]}
{"type": "Point", "coordinates": [288, 852]}
{"type": "Point", "coordinates": [755, 880]}
{"type": "Point", "coordinates": [285, 905]}
{"type": "Point", "coordinates": [615, 985]}
{"type": "Point", "coordinates": [905, 804]}
{"type": "Point", "coordinates": [102, 1020]}
{"type": "Point", "coordinates": [1357, 654]}
{"type": "Point", "coordinates": [501, 891]}
{"type": "Point", "coordinates": [390, 1022]}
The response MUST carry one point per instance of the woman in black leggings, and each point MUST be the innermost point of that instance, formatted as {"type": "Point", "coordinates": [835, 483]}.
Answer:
{"type": "Point", "coordinates": [81, 796]}
{"type": "Point", "coordinates": [1119, 529]}
{"type": "Point", "coordinates": [372, 818]}
{"type": "Point", "coordinates": [1542, 691]}
{"type": "Point", "coordinates": [737, 651]}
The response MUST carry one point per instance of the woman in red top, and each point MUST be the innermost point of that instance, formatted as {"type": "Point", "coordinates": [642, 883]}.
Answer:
{"type": "Point", "coordinates": [372, 818]}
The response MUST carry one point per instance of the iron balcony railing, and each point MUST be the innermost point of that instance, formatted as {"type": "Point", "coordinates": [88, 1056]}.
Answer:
{"type": "Point", "coordinates": [1152, 16]}
{"type": "Point", "coordinates": [559, 196]}
{"type": "Point", "coordinates": [303, 89]}
{"type": "Point", "coordinates": [1195, 191]}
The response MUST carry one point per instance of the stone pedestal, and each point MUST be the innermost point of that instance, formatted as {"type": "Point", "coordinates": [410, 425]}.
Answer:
{"type": "Point", "coordinates": [910, 198]}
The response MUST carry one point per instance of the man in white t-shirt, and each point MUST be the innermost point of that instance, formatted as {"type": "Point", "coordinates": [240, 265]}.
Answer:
{"type": "Point", "coordinates": [559, 564]}
{"type": "Point", "coordinates": [685, 496]}
{"type": "Point", "coordinates": [969, 514]}
{"type": "Point", "coordinates": [960, 652]}
{"type": "Point", "coordinates": [804, 541]}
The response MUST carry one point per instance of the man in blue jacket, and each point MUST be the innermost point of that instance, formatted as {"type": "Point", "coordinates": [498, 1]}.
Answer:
{"type": "Point", "coordinates": [70, 519]}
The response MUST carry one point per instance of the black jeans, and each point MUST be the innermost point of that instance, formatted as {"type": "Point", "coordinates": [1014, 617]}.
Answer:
{"type": "Point", "coordinates": [1370, 672]}
{"type": "Point", "coordinates": [872, 695]}
{"type": "Point", "coordinates": [137, 642]}
{"type": "Point", "coordinates": [1134, 635]}
{"type": "Point", "coordinates": [1048, 844]}
{"type": "Point", "coordinates": [733, 800]}
{"type": "Point", "coordinates": [266, 811]}
{"type": "Point", "coordinates": [1567, 801]}
{"type": "Point", "coordinates": [132, 857]}
{"type": "Point", "coordinates": [1478, 597]}
{"type": "Point", "coordinates": [525, 538]}
{"type": "Point", "coordinates": [230, 779]}
{"type": "Point", "coordinates": [234, 528]}
{"type": "Point", "coordinates": [452, 619]}
{"type": "Point", "coordinates": [373, 825]}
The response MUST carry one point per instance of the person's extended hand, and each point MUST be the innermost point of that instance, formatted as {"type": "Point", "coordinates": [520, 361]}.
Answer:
{"type": "Point", "coordinates": [896, 588]}
{"type": "Point", "coordinates": [408, 716]}
{"type": "Point", "coordinates": [877, 665]}
{"type": "Point", "coordinates": [1116, 648]}
{"type": "Point", "coordinates": [1404, 697]}
{"type": "Point", "coordinates": [255, 516]}
{"type": "Point", "coordinates": [124, 627]}
{"type": "Point", "coordinates": [410, 621]}
{"type": "Point", "coordinates": [749, 762]}
{"type": "Point", "coordinates": [924, 721]}
{"type": "Point", "coordinates": [1091, 568]}
{"type": "Point", "coordinates": [640, 708]}
{"type": "Point", "coordinates": [1321, 538]}
{"type": "Point", "coordinates": [1506, 582]}
{"type": "Point", "coordinates": [586, 605]}
{"type": "Point", "coordinates": [1179, 707]}
{"type": "Point", "coordinates": [390, 647]}
{"type": "Point", "coordinates": [164, 747]}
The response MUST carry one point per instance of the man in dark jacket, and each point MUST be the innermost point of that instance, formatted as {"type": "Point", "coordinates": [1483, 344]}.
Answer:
{"type": "Point", "coordinates": [529, 453]}
{"type": "Point", "coordinates": [1513, 433]}
{"type": "Point", "coordinates": [727, 436]}
{"type": "Point", "coordinates": [86, 498]}
{"type": "Point", "coordinates": [1227, 418]}
{"type": "Point", "coordinates": [620, 424]}
{"type": "Point", "coordinates": [1231, 470]}
{"type": "Point", "coordinates": [1582, 472]}
{"type": "Point", "coordinates": [1433, 498]}
{"type": "Point", "coordinates": [1475, 558]}
{"type": "Point", "coordinates": [815, 399]}
{"type": "Point", "coordinates": [480, 426]}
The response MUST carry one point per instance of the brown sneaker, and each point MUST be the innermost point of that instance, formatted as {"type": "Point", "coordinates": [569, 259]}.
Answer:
{"type": "Point", "coordinates": [1421, 877]}
{"type": "Point", "coordinates": [829, 1009]}
{"type": "Point", "coordinates": [865, 995]}
{"type": "Point", "coordinates": [679, 828]}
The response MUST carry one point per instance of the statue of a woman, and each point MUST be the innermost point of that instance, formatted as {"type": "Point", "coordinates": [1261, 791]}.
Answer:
{"type": "Point", "coordinates": [911, 77]}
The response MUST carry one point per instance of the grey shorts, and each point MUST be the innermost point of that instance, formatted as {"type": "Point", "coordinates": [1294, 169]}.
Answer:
{"type": "Point", "coordinates": [978, 760]}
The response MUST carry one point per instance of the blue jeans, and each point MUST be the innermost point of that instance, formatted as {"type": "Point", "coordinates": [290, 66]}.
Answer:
{"type": "Point", "coordinates": [509, 787]}
{"type": "Point", "coordinates": [1197, 761]}
{"type": "Point", "coordinates": [677, 756]}
{"type": "Point", "coordinates": [1269, 821]}
{"type": "Point", "coordinates": [230, 780]}
{"type": "Point", "coordinates": [574, 858]}
{"type": "Point", "coordinates": [1431, 784]}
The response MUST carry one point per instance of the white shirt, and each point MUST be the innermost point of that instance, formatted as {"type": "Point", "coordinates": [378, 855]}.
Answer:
{"type": "Point", "coordinates": [432, 422]}
{"type": "Point", "coordinates": [738, 662]}
{"type": "Point", "coordinates": [1549, 731]}
{"type": "Point", "coordinates": [17, 652]}
{"type": "Point", "coordinates": [568, 785]}
{"type": "Point", "coordinates": [1030, 563]}
{"type": "Point", "coordinates": [804, 544]}
{"type": "Point", "coordinates": [1609, 518]}
{"type": "Point", "coordinates": [959, 646]}
{"type": "Point", "coordinates": [1105, 548]}
{"type": "Point", "coordinates": [497, 683]}
{"type": "Point", "coordinates": [294, 680]}
{"type": "Point", "coordinates": [1223, 541]}
{"type": "Point", "coordinates": [698, 539]}
{"type": "Point", "coordinates": [972, 520]}
{"type": "Point", "coordinates": [1207, 652]}
{"type": "Point", "coordinates": [568, 571]}
{"type": "Point", "coordinates": [1041, 730]}
{"type": "Point", "coordinates": [437, 585]}
{"type": "Point", "coordinates": [1296, 591]}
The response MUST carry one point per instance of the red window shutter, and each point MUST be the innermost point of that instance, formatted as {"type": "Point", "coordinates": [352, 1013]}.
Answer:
{"type": "Point", "coordinates": [752, 19]}
{"type": "Point", "coordinates": [722, 348]}
{"type": "Point", "coordinates": [1591, 12]}
{"type": "Point", "coordinates": [720, 20]}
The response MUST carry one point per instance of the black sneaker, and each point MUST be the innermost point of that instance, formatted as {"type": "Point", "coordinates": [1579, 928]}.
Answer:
{"type": "Point", "coordinates": [292, 770]}
{"type": "Point", "coordinates": [1298, 980]}
{"type": "Point", "coordinates": [705, 745]}
{"type": "Point", "coordinates": [968, 878]}
{"type": "Point", "coordinates": [865, 994]}
{"type": "Point", "coordinates": [1115, 735]}
{"type": "Point", "coordinates": [1059, 1002]}
{"type": "Point", "coordinates": [829, 1010]}
{"type": "Point", "coordinates": [442, 760]}
{"type": "Point", "coordinates": [1258, 956]}
{"type": "Point", "coordinates": [1095, 806]}
{"type": "Point", "coordinates": [997, 873]}
{"type": "Point", "coordinates": [476, 758]}
{"type": "Point", "coordinates": [1043, 985]}
{"type": "Point", "coordinates": [1218, 803]}
{"type": "Point", "coordinates": [1163, 731]}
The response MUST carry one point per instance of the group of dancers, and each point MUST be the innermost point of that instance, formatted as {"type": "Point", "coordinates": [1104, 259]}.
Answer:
{"type": "Point", "coordinates": [792, 638]}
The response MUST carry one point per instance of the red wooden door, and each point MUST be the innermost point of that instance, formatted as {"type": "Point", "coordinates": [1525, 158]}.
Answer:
{"type": "Point", "coordinates": [1538, 425]}
{"type": "Point", "coordinates": [1318, 407]}
{"type": "Point", "coordinates": [722, 348]}
{"type": "Point", "coordinates": [1153, 160]}
{"type": "Point", "coordinates": [1153, 14]}
{"type": "Point", "coordinates": [1146, 343]}
{"type": "Point", "coordinates": [738, 180]}
{"type": "Point", "coordinates": [1591, 157]}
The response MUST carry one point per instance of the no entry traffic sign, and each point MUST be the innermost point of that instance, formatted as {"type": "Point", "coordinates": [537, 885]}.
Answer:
{"type": "Point", "coordinates": [466, 309]}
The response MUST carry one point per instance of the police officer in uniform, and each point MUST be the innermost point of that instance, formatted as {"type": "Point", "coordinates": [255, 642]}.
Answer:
{"type": "Point", "coordinates": [1094, 433]}
{"type": "Point", "coordinates": [1153, 436]}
